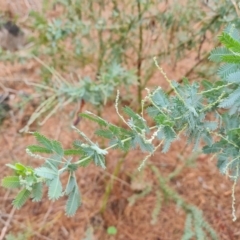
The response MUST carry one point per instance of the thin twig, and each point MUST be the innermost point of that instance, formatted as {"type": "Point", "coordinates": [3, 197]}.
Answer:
{"type": "Point", "coordinates": [5, 228]}
{"type": "Point", "coordinates": [140, 48]}
{"type": "Point", "coordinates": [190, 71]}
{"type": "Point", "coordinates": [236, 7]}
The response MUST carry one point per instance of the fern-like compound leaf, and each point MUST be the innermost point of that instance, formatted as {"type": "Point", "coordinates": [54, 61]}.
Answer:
{"type": "Point", "coordinates": [227, 69]}
{"type": "Point", "coordinates": [218, 53]}
{"type": "Point", "coordinates": [85, 163]}
{"type": "Point", "coordinates": [234, 77]}
{"type": "Point", "coordinates": [210, 125]}
{"type": "Point", "coordinates": [38, 149]}
{"type": "Point", "coordinates": [105, 133]}
{"type": "Point", "coordinates": [231, 59]}
{"type": "Point", "coordinates": [37, 192]}
{"type": "Point", "coordinates": [43, 140]}
{"type": "Point", "coordinates": [55, 189]}
{"type": "Point", "coordinates": [53, 162]}
{"type": "Point", "coordinates": [231, 99]}
{"type": "Point", "coordinates": [68, 152]}
{"type": "Point", "coordinates": [169, 133]}
{"type": "Point", "coordinates": [163, 120]}
{"type": "Point", "coordinates": [233, 32]}
{"type": "Point", "coordinates": [11, 182]}
{"type": "Point", "coordinates": [229, 42]}
{"type": "Point", "coordinates": [52, 146]}
{"type": "Point", "coordinates": [214, 148]}
{"type": "Point", "coordinates": [45, 172]}
{"type": "Point", "coordinates": [57, 148]}
{"type": "Point", "coordinates": [222, 162]}
{"type": "Point", "coordinates": [21, 198]}
{"type": "Point", "coordinates": [210, 230]}
{"type": "Point", "coordinates": [198, 224]}
{"type": "Point", "coordinates": [160, 98]}
{"type": "Point", "coordinates": [99, 160]}
{"type": "Point", "coordinates": [188, 230]}
{"type": "Point", "coordinates": [94, 118]}
{"type": "Point", "coordinates": [77, 144]}
{"type": "Point", "coordinates": [143, 144]}
{"type": "Point", "coordinates": [152, 111]}
{"type": "Point", "coordinates": [73, 202]}
{"type": "Point", "coordinates": [136, 119]}
{"type": "Point", "coordinates": [70, 185]}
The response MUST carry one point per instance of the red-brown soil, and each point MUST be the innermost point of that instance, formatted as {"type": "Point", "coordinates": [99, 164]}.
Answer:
{"type": "Point", "coordinates": [200, 184]}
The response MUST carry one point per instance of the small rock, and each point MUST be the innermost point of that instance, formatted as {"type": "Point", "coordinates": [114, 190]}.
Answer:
{"type": "Point", "coordinates": [12, 38]}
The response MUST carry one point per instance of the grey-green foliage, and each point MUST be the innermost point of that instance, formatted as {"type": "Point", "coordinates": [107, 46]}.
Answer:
{"type": "Point", "coordinates": [106, 39]}
{"type": "Point", "coordinates": [31, 180]}
{"type": "Point", "coordinates": [63, 92]}
{"type": "Point", "coordinates": [196, 226]}
{"type": "Point", "coordinates": [187, 112]}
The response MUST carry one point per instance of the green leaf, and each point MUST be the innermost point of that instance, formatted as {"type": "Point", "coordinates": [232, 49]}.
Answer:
{"type": "Point", "coordinates": [218, 53]}
{"type": "Point", "coordinates": [57, 148]}
{"type": "Point", "coordinates": [112, 230]}
{"type": "Point", "coordinates": [211, 125]}
{"type": "Point", "coordinates": [72, 167]}
{"type": "Point", "coordinates": [198, 220]}
{"type": "Point", "coordinates": [136, 119]}
{"type": "Point", "coordinates": [77, 144]}
{"type": "Point", "coordinates": [20, 167]}
{"type": "Point", "coordinates": [160, 99]}
{"type": "Point", "coordinates": [37, 192]}
{"type": "Point", "coordinates": [30, 180]}
{"type": "Point", "coordinates": [99, 150]}
{"type": "Point", "coordinates": [231, 99]}
{"type": "Point", "coordinates": [45, 172]}
{"type": "Point", "coordinates": [101, 122]}
{"type": "Point", "coordinates": [104, 133]}
{"type": "Point", "coordinates": [188, 233]}
{"type": "Point", "coordinates": [73, 202]}
{"type": "Point", "coordinates": [232, 31]}
{"type": "Point", "coordinates": [222, 162]}
{"type": "Point", "coordinates": [207, 84]}
{"type": "Point", "coordinates": [229, 42]}
{"type": "Point", "coordinates": [99, 160]}
{"type": "Point", "coordinates": [21, 198]}
{"type": "Point", "coordinates": [152, 111]}
{"type": "Point", "coordinates": [144, 146]}
{"type": "Point", "coordinates": [162, 119]}
{"type": "Point", "coordinates": [11, 166]}
{"type": "Point", "coordinates": [38, 149]}
{"type": "Point", "coordinates": [50, 145]}
{"type": "Point", "coordinates": [216, 147]}
{"type": "Point", "coordinates": [71, 184]}
{"type": "Point", "coordinates": [166, 146]}
{"type": "Point", "coordinates": [231, 59]}
{"type": "Point", "coordinates": [207, 138]}
{"type": "Point", "coordinates": [55, 189]}
{"type": "Point", "coordinates": [11, 182]}
{"type": "Point", "coordinates": [85, 163]}
{"type": "Point", "coordinates": [53, 162]}
{"type": "Point", "coordinates": [43, 140]}
{"type": "Point", "coordinates": [68, 152]}
{"type": "Point", "coordinates": [169, 133]}
{"type": "Point", "coordinates": [227, 69]}
{"type": "Point", "coordinates": [234, 77]}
